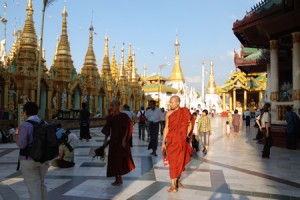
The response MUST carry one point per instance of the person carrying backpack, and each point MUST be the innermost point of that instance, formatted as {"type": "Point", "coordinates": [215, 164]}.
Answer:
{"type": "Point", "coordinates": [142, 125]}
{"type": "Point", "coordinates": [33, 161]}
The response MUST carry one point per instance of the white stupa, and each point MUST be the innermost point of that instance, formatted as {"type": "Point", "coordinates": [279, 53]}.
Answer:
{"type": "Point", "coordinates": [212, 99]}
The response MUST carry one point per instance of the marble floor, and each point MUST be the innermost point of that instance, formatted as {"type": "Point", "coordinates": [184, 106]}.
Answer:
{"type": "Point", "coordinates": [232, 169]}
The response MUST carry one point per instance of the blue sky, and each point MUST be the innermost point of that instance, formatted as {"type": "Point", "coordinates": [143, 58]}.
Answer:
{"type": "Point", "coordinates": [204, 31]}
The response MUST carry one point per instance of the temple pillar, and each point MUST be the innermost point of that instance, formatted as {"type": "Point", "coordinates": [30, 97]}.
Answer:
{"type": "Point", "coordinates": [296, 70]}
{"type": "Point", "coordinates": [260, 98]}
{"type": "Point", "coordinates": [245, 99]}
{"type": "Point", "coordinates": [32, 95]}
{"type": "Point", "coordinates": [224, 102]}
{"type": "Point", "coordinates": [104, 108]}
{"type": "Point", "coordinates": [230, 102]}
{"type": "Point", "coordinates": [69, 101]}
{"type": "Point", "coordinates": [274, 74]}
{"type": "Point", "coordinates": [268, 90]}
{"type": "Point", "coordinates": [234, 98]}
{"type": "Point", "coordinates": [96, 104]}
{"type": "Point", "coordinates": [5, 94]}
{"type": "Point", "coordinates": [49, 111]}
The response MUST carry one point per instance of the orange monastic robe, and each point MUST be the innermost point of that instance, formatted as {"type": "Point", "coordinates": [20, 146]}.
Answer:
{"type": "Point", "coordinates": [120, 160]}
{"type": "Point", "coordinates": [178, 149]}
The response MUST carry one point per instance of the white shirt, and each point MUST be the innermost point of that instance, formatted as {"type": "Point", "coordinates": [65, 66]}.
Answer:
{"type": "Point", "coordinates": [73, 140]}
{"type": "Point", "coordinates": [129, 113]}
{"type": "Point", "coordinates": [247, 113]}
{"type": "Point", "coordinates": [153, 115]}
{"type": "Point", "coordinates": [266, 118]}
{"type": "Point", "coordinates": [163, 116]}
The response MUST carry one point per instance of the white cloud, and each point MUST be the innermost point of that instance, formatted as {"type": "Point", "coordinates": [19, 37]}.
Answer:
{"type": "Point", "coordinates": [194, 79]}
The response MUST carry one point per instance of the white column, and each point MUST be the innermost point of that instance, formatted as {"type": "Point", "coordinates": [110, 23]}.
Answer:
{"type": "Point", "coordinates": [274, 75]}
{"type": "Point", "coordinates": [296, 69]}
{"type": "Point", "coordinates": [268, 90]}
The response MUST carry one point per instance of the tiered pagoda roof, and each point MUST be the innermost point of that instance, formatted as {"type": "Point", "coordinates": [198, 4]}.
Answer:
{"type": "Point", "coordinates": [252, 59]}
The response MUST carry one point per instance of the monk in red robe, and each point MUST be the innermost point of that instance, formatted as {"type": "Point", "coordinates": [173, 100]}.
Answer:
{"type": "Point", "coordinates": [119, 128]}
{"type": "Point", "coordinates": [176, 141]}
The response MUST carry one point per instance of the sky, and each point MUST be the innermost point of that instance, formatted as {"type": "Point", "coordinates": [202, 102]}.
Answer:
{"type": "Point", "coordinates": [204, 30]}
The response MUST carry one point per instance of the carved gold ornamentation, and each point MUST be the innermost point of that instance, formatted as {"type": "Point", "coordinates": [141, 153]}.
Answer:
{"type": "Point", "coordinates": [273, 44]}
{"type": "Point", "coordinates": [296, 37]}
{"type": "Point", "coordinates": [274, 96]}
{"type": "Point", "coordinates": [296, 95]}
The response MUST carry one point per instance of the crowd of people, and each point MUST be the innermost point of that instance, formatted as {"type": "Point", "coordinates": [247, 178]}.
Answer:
{"type": "Point", "coordinates": [183, 132]}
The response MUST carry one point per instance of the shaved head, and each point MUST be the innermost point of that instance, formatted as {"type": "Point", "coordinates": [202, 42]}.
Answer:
{"type": "Point", "coordinates": [176, 98]}
{"type": "Point", "coordinates": [174, 102]}
{"type": "Point", "coordinates": [115, 102]}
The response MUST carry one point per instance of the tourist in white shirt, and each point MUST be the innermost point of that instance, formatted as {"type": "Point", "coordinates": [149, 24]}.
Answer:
{"type": "Point", "coordinates": [153, 116]}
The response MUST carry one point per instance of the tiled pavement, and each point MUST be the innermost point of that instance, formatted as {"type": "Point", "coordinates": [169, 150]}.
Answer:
{"type": "Point", "coordinates": [232, 169]}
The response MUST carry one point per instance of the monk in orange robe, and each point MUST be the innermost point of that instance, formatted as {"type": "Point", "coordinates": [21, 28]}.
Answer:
{"type": "Point", "coordinates": [119, 127]}
{"type": "Point", "coordinates": [176, 141]}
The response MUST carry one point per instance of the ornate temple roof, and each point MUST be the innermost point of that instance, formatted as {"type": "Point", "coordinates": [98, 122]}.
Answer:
{"type": "Point", "coordinates": [157, 88]}
{"type": "Point", "coordinates": [89, 69]}
{"type": "Point", "coordinates": [211, 87]}
{"type": "Point", "coordinates": [177, 75]}
{"type": "Point", "coordinates": [63, 67]}
{"type": "Point", "coordinates": [249, 82]}
{"type": "Point", "coordinates": [252, 59]}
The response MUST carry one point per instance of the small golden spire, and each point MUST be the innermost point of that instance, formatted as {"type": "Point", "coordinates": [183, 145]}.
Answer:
{"type": "Point", "coordinates": [122, 67]}
{"type": "Point", "coordinates": [133, 74]}
{"type": "Point", "coordinates": [145, 69]}
{"type": "Point", "coordinates": [89, 68]}
{"type": "Point", "coordinates": [211, 87]}
{"type": "Point", "coordinates": [113, 65]}
{"type": "Point", "coordinates": [105, 62]}
{"type": "Point", "coordinates": [177, 75]}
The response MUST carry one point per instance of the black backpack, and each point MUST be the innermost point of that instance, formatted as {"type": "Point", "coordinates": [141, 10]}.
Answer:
{"type": "Point", "coordinates": [45, 145]}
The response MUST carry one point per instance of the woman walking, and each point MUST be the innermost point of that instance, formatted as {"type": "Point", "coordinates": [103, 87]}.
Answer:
{"type": "Point", "coordinates": [236, 122]}
{"type": "Point", "coordinates": [204, 128]}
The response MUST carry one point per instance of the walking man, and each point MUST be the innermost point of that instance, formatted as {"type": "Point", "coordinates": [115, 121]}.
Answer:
{"type": "Point", "coordinates": [153, 116]}
{"type": "Point", "coordinates": [176, 139]}
{"type": "Point", "coordinates": [142, 126]}
{"type": "Point", "coordinates": [119, 128]}
{"type": "Point", "coordinates": [163, 121]}
{"type": "Point", "coordinates": [34, 173]}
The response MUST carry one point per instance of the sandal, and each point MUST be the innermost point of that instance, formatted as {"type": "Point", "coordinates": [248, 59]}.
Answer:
{"type": "Point", "coordinates": [172, 189]}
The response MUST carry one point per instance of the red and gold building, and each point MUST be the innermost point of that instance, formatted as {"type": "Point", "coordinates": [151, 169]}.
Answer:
{"type": "Point", "coordinates": [274, 25]}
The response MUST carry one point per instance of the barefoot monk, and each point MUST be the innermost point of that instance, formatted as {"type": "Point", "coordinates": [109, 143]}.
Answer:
{"type": "Point", "coordinates": [176, 141]}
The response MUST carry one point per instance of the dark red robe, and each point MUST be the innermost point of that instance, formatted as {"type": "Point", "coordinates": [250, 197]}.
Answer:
{"type": "Point", "coordinates": [178, 149]}
{"type": "Point", "coordinates": [120, 161]}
